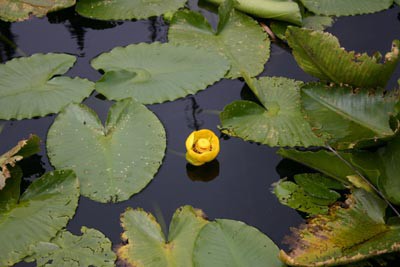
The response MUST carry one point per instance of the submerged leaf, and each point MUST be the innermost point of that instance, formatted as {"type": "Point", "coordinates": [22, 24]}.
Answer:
{"type": "Point", "coordinates": [346, 7]}
{"type": "Point", "coordinates": [112, 162]}
{"type": "Point", "coordinates": [92, 248]}
{"type": "Point", "coordinates": [43, 209]}
{"type": "Point", "coordinates": [320, 55]}
{"type": "Point", "coordinates": [384, 163]}
{"type": "Point", "coordinates": [228, 243]}
{"type": "Point", "coordinates": [17, 10]}
{"type": "Point", "coordinates": [349, 233]}
{"type": "Point", "coordinates": [147, 245]}
{"type": "Point", "coordinates": [155, 73]}
{"type": "Point", "coordinates": [279, 122]}
{"type": "Point", "coordinates": [126, 9]}
{"type": "Point", "coordinates": [241, 40]}
{"type": "Point", "coordinates": [31, 87]}
{"type": "Point", "coordinates": [345, 116]}
{"type": "Point", "coordinates": [23, 149]}
{"type": "Point", "coordinates": [284, 10]}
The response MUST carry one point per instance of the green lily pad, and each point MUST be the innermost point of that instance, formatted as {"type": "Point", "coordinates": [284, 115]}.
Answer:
{"type": "Point", "coordinates": [92, 248]}
{"type": "Point", "coordinates": [31, 87]}
{"type": "Point", "coordinates": [292, 195]}
{"type": "Point", "coordinates": [351, 232]}
{"type": "Point", "coordinates": [284, 10]}
{"type": "Point", "coordinates": [115, 161]}
{"type": "Point", "coordinates": [320, 54]}
{"type": "Point", "coordinates": [155, 73]}
{"type": "Point", "coordinates": [346, 7]}
{"type": "Point", "coordinates": [279, 122]}
{"type": "Point", "coordinates": [147, 245]}
{"type": "Point", "coordinates": [319, 186]}
{"type": "Point", "coordinates": [42, 210]}
{"type": "Point", "coordinates": [345, 116]}
{"type": "Point", "coordinates": [126, 9]}
{"type": "Point", "coordinates": [227, 243]}
{"type": "Point", "coordinates": [18, 10]}
{"type": "Point", "coordinates": [240, 39]}
{"type": "Point", "coordinates": [23, 149]}
{"type": "Point", "coordinates": [9, 197]}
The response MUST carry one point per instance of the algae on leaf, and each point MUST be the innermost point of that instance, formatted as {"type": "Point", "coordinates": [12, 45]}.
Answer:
{"type": "Point", "coordinates": [92, 248]}
{"type": "Point", "coordinates": [147, 245]}
{"type": "Point", "coordinates": [352, 231]}
{"type": "Point", "coordinates": [346, 117]}
{"type": "Point", "coordinates": [18, 10]}
{"type": "Point", "coordinates": [279, 122]}
{"type": "Point", "coordinates": [228, 243]}
{"type": "Point", "coordinates": [346, 7]}
{"type": "Point", "coordinates": [240, 39]}
{"type": "Point", "coordinates": [115, 161]}
{"type": "Point", "coordinates": [31, 86]}
{"type": "Point", "coordinates": [126, 9]}
{"type": "Point", "coordinates": [42, 210]}
{"type": "Point", "coordinates": [319, 54]}
{"type": "Point", "coordinates": [24, 149]}
{"type": "Point", "coordinates": [284, 10]}
{"type": "Point", "coordinates": [155, 73]}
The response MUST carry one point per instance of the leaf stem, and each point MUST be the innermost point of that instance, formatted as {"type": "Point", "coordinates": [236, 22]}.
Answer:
{"type": "Point", "coordinates": [364, 178]}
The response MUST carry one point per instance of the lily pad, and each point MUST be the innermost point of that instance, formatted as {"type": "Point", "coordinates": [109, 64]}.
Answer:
{"type": "Point", "coordinates": [227, 243]}
{"type": "Point", "coordinates": [115, 161]}
{"type": "Point", "coordinates": [147, 245]}
{"type": "Point", "coordinates": [279, 122]}
{"type": "Point", "coordinates": [92, 248]}
{"type": "Point", "coordinates": [346, 7]}
{"type": "Point", "coordinates": [42, 210]}
{"type": "Point", "coordinates": [155, 73]}
{"type": "Point", "coordinates": [18, 10]}
{"type": "Point", "coordinates": [319, 54]}
{"type": "Point", "coordinates": [351, 232]}
{"type": "Point", "coordinates": [126, 9]}
{"type": "Point", "coordinates": [31, 86]}
{"type": "Point", "coordinates": [23, 149]}
{"type": "Point", "coordinates": [284, 10]}
{"type": "Point", "coordinates": [345, 116]}
{"type": "Point", "coordinates": [9, 197]}
{"type": "Point", "coordinates": [241, 40]}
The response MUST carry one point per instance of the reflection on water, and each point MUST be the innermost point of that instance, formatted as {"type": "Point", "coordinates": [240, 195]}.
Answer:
{"type": "Point", "coordinates": [192, 111]}
{"type": "Point", "coordinates": [7, 42]}
{"type": "Point", "coordinates": [32, 168]}
{"type": "Point", "coordinates": [159, 29]}
{"type": "Point", "coordinates": [203, 173]}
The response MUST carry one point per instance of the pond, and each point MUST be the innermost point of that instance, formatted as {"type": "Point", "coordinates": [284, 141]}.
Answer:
{"type": "Point", "coordinates": [238, 185]}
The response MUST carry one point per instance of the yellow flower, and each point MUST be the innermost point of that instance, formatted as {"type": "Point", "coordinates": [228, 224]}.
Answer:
{"type": "Point", "coordinates": [202, 146]}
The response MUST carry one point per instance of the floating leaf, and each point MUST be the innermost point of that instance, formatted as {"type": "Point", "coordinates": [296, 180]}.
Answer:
{"type": "Point", "coordinates": [31, 87]}
{"type": "Point", "coordinates": [147, 245]}
{"type": "Point", "coordinates": [23, 149]}
{"type": "Point", "coordinates": [43, 209]}
{"type": "Point", "coordinates": [345, 116]}
{"type": "Point", "coordinates": [92, 248]}
{"type": "Point", "coordinates": [126, 9]}
{"type": "Point", "coordinates": [350, 232]}
{"type": "Point", "coordinates": [112, 162]}
{"type": "Point", "coordinates": [319, 186]}
{"type": "Point", "coordinates": [154, 73]}
{"type": "Point", "coordinates": [242, 41]}
{"type": "Point", "coordinates": [320, 55]}
{"type": "Point", "coordinates": [397, 2]}
{"type": "Point", "coordinates": [284, 10]}
{"type": "Point", "coordinates": [346, 7]}
{"type": "Point", "coordinates": [292, 195]}
{"type": "Point", "coordinates": [227, 243]}
{"type": "Point", "coordinates": [18, 10]}
{"type": "Point", "coordinates": [279, 122]}
{"type": "Point", "coordinates": [384, 163]}
{"type": "Point", "coordinates": [317, 23]}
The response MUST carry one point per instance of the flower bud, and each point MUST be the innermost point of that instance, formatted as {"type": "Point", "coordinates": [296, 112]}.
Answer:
{"type": "Point", "coordinates": [202, 146]}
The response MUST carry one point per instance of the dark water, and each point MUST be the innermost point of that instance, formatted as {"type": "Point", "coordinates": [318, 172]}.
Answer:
{"type": "Point", "coordinates": [241, 191]}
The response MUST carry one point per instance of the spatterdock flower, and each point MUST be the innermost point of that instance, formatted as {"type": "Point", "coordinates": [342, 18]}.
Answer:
{"type": "Point", "coordinates": [202, 146]}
